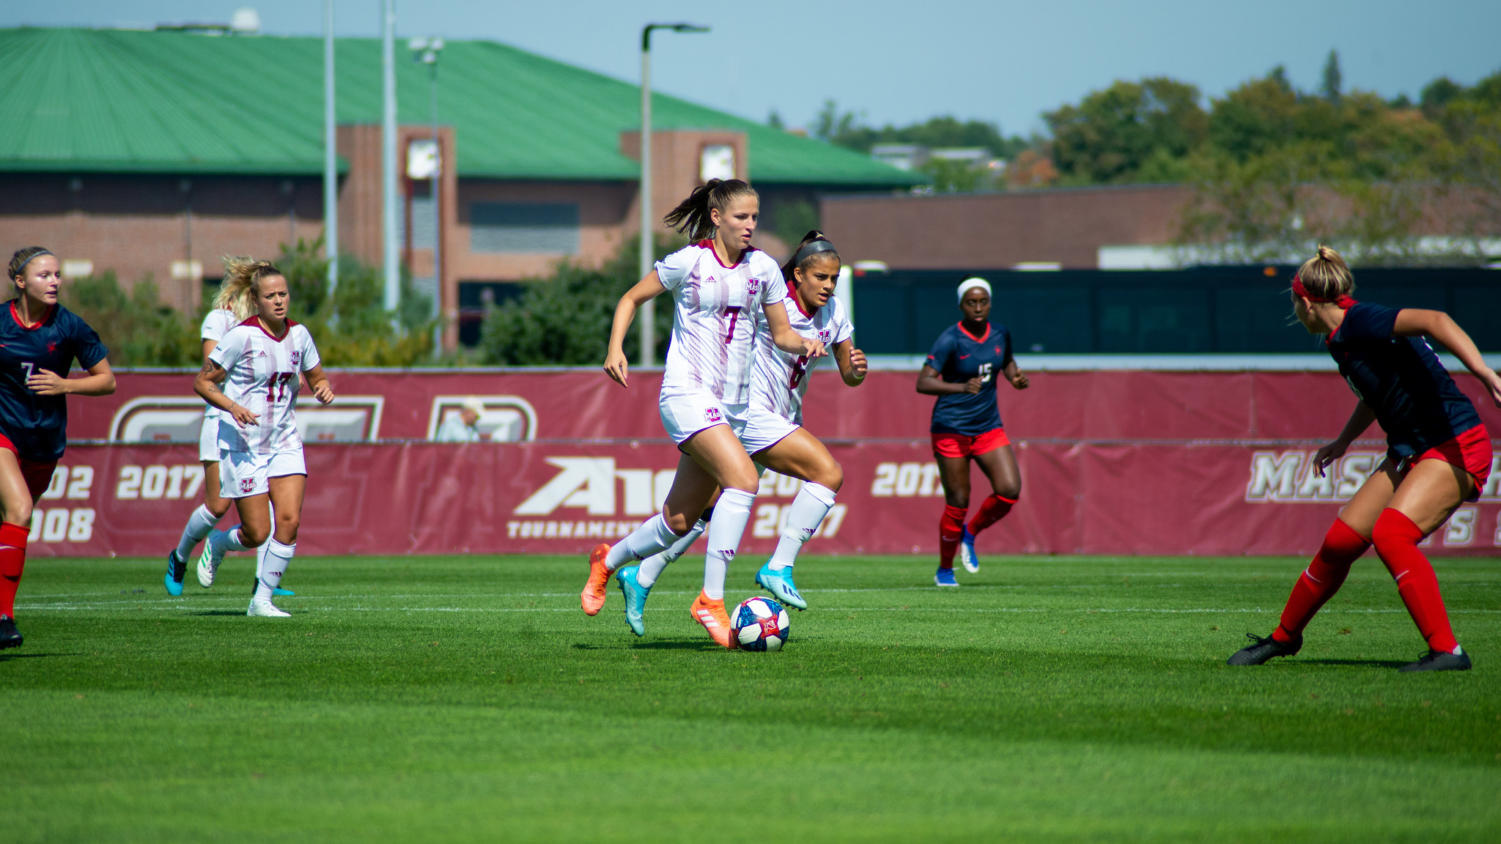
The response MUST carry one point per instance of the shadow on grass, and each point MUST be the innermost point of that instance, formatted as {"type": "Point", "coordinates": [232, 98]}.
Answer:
{"type": "Point", "coordinates": [7, 657]}
{"type": "Point", "coordinates": [219, 612]}
{"type": "Point", "coordinates": [653, 645]}
{"type": "Point", "coordinates": [1366, 663]}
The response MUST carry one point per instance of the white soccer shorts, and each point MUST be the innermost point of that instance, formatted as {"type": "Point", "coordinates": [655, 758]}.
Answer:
{"type": "Point", "coordinates": [685, 414]}
{"type": "Point", "coordinates": [764, 429]}
{"type": "Point", "coordinates": [246, 473]}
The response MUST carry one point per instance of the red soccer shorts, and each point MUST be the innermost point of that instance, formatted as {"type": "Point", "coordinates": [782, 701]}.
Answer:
{"type": "Point", "coordinates": [958, 445]}
{"type": "Point", "coordinates": [1470, 451]}
{"type": "Point", "coordinates": [37, 475]}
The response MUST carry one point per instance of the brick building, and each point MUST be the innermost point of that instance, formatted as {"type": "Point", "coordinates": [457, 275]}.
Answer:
{"type": "Point", "coordinates": [156, 153]}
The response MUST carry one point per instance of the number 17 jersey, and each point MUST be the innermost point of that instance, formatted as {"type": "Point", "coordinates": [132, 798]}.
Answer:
{"type": "Point", "coordinates": [263, 378]}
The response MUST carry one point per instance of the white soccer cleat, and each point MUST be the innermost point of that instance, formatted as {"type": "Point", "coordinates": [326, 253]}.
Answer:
{"type": "Point", "coordinates": [263, 608]}
{"type": "Point", "coordinates": [208, 562]}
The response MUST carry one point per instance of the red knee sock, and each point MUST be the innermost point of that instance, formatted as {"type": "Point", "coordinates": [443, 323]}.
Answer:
{"type": "Point", "coordinates": [1396, 538]}
{"type": "Point", "coordinates": [950, 527]}
{"type": "Point", "coordinates": [12, 561]}
{"type": "Point", "coordinates": [1323, 577]}
{"type": "Point", "coordinates": [992, 510]}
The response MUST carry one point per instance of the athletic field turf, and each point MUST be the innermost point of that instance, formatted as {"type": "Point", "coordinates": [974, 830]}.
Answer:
{"type": "Point", "coordinates": [468, 699]}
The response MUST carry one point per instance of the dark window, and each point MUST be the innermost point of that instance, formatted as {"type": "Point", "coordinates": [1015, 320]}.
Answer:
{"type": "Point", "coordinates": [529, 227]}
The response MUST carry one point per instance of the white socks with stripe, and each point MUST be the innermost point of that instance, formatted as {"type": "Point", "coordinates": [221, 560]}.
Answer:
{"type": "Point", "coordinates": [804, 515]}
{"type": "Point", "coordinates": [648, 538]}
{"type": "Point", "coordinates": [652, 566]}
{"type": "Point", "coordinates": [270, 566]}
{"type": "Point", "coordinates": [199, 525]}
{"type": "Point", "coordinates": [730, 517]}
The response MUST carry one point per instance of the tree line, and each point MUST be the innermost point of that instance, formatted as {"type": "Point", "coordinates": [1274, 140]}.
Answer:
{"type": "Point", "coordinates": [1270, 166]}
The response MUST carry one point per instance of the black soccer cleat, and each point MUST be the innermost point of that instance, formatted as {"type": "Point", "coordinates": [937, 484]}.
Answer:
{"type": "Point", "coordinates": [10, 637]}
{"type": "Point", "coordinates": [1440, 661]}
{"type": "Point", "coordinates": [1263, 650]}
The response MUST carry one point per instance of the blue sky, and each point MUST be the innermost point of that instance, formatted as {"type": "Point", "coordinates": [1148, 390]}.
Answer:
{"type": "Point", "coordinates": [902, 62]}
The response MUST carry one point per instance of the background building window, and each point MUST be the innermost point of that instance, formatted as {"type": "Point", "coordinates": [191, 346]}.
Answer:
{"type": "Point", "coordinates": [530, 227]}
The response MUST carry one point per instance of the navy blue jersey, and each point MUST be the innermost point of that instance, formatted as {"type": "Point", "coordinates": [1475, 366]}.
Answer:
{"type": "Point", "coordinates": [958, 356]}
{"type": "Point", "coordinates": [37, 425]}
{"type": "Point", "coordinates": [1401, 380]}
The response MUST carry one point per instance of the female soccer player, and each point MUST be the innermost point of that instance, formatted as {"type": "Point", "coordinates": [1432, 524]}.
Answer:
{"type": "Point", "coordinates": [774, 435]}
{"type": "Point", "coordinates": [1438, 454]}
{"type": "Point", "coordinates": [720, 284]}
{"type": "Point", "coordinates": [961, 371]}
{"type": "Point", "coordinates": [261, 464]}
{"type": "Point", "coordinates": [39, 341]}
{"type": "Point", "coordinates": [216, 323]}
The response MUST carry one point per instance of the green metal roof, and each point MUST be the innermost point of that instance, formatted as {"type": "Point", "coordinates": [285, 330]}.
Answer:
{"type": "Point", "coordinates": [100, 100]}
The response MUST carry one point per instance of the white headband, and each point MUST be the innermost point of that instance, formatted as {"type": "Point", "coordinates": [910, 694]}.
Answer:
{"type": "Point", "coordinates": [970, 284]}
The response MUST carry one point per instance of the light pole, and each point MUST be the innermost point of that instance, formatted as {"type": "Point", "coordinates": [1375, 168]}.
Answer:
{"type": "Point", "coordinates": [425, 51]}
{"type": "Point", "coordinates": [649, 309]}
{"type": "Point", "coordinates": [390, 220]}
{"type": "Point", "coordinates": [330, 159]}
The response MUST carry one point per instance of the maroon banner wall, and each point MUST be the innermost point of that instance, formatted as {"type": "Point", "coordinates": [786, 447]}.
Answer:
{"type": "Point", "coordinates": [1112, 463]}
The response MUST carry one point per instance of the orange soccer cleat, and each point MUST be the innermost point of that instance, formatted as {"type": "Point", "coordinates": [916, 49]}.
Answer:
{"type": "Point", "coordinates": [593, 596]}
{"type": "Point", "coordinates": [711, 614]}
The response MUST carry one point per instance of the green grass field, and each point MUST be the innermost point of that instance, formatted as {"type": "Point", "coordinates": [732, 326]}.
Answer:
{"type": "Point", "coordinates": [469, 699]}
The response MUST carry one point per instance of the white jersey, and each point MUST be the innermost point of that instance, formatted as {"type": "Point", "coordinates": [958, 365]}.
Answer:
{"type": "Point", "coordinates": [781, 379]}
{"type": "Point", "coordinates": [263, 378]}
{"type": "Point", "coordinates": [714, 323]}
{"type": "Point", "coordinates": [215, 324]}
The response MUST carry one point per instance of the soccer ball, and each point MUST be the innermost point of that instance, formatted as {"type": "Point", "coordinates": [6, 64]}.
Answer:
{"type": "Point", "coordinates": [759, 624]}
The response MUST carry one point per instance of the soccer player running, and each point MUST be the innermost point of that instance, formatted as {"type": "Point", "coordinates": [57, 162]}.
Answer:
{"type": "Point", "coordinates": [961, 371]}
{"type": "Point", "coordinates": [720, 284]}
{"type": "Point", "coordinates": [774, 434]}
{"type": "Point", "coordinates": [1438, 455]}
{"type": "Point", "coordinates": [216, 323]}
{"type": "Point", "coordinates": [261, 464]}
{"type": "Point", "coordinates": [39, 340]}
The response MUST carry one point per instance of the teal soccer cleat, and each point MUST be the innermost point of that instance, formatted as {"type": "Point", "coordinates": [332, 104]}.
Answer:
{"type": "Point", "coordinates": [635, 598]}
{"type": "Point", "coordinates": [779, 583]}
{"type": "Point", "coordinates": [175, 570]}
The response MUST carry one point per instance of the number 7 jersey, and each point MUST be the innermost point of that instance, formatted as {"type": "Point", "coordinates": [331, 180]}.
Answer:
{"type": "Point", "coordinates": [714, 324]}
{"type": "Point", "coordinates": [263, 378]}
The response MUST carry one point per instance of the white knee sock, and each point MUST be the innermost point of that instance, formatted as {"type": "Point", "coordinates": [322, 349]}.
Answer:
{"type": "Point", "coordinates": [199, 524]}
{"type": "Point", "coordinates": [730, 517]}
{"type": "Point", "coordinates": [651, 536]}
{"type": "Point", "coordinates": [804, 516]}
{"type": "Point", "coordinates": [229, 540]}
{"type": "Point", "coordinates": [270, 566]}
{"type": "Point", "coordinates": [652, 566]}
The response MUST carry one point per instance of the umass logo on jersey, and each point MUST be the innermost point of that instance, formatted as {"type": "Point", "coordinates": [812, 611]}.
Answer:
{"type": "Point", "coordinates": [712, 414]}
{"type": "Point", "coordinates": [824, 334]}
{"type": "Point", "coordinates": [246, 484]}
{"type": "Point", "coordinates": [296, 359]}
{"type": "Point", "coordinates": [752, 286]}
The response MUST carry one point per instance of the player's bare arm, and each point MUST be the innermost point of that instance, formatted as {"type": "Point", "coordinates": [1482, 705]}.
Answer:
{"type": "Point", "coordinates": [1360, 419]}
{"type": "Point", "coordinates": [322, 391]}
{"type": "Point", "coordinates": [100, 381]}
{"type": "Point", "coordinates": [852, 365]}
{"type": "Point", "coordinates": [931, 383]}
{"type": "Point", "coordinates": [1442, 327]}
{"type": "Point", "coordinates": [1015, 375]}
{"type": "Point", "coordinates": [206, 385]}
{"type": "Point", "coordinates": [785, 338]}
{"type": "Point", "coordinates": [617, 366]}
